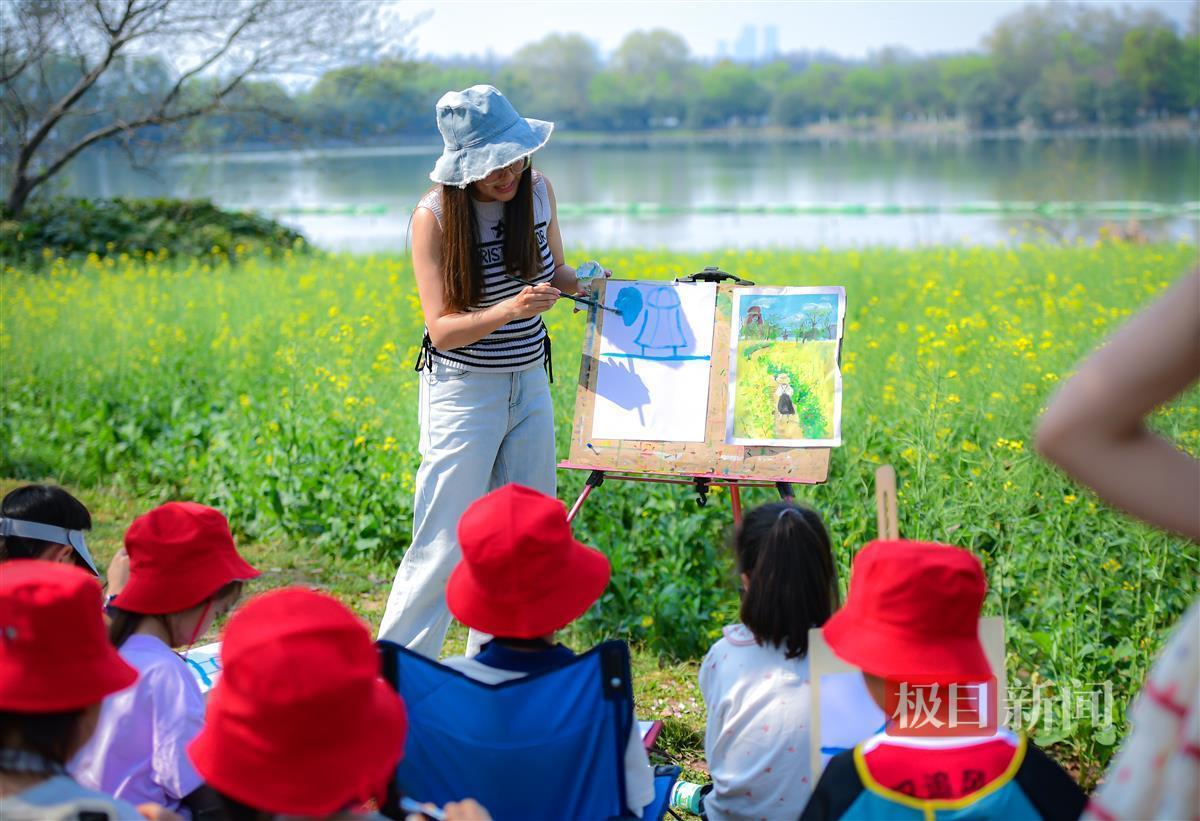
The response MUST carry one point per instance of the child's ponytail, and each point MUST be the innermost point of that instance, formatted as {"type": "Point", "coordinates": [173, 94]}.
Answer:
{"type": "Point", "coordinates": [785, 551]}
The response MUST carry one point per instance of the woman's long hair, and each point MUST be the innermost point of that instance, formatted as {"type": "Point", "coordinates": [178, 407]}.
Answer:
{"type": "Point", "coordinates": [785, 550]}
{"type": "Point", "coordinates": [461, 264]}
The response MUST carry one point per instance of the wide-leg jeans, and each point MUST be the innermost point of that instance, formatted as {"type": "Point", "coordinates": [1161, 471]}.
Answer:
{"type": "Point", "coordinates": [479, 431]}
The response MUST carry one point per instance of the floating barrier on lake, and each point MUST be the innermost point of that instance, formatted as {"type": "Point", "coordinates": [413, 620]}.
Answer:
{"type": "Point", "coordinates": [654, 210]}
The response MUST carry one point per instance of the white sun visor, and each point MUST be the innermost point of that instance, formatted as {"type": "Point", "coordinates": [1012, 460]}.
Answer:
{"type": "Point", "coordinates": [48, 533]}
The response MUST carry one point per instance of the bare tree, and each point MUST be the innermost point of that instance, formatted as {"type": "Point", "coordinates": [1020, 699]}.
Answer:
{"type": "Point", "coordinates": [211, 46]}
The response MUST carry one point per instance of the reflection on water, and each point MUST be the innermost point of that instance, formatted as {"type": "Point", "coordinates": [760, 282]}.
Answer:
{"type": "Point", "coordinates": [941, 174]}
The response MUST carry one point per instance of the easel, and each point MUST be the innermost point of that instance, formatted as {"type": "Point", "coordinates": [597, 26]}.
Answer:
{"type": "Point", "coordinates": [887, 521]}
{"type": "Point", "coordinates": [702, 485]}
{"type": "Point", "coordinates": [701, 466]}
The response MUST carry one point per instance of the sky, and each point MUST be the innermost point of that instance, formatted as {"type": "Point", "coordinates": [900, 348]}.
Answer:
{"type": "Point", "coordinates": [851, 28]}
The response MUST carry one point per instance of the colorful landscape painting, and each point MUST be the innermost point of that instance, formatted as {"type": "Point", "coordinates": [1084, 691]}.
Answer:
{"type": "Point", "coordinates": [785, 387]}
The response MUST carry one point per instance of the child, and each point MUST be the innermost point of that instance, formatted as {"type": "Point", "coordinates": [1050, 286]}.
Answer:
{"type": "Point", "coordinates": [184, 572]}
{"type": "Point", "coordinates": [45, 522]}
{"type": "Point", "coordinates": [911, 622]}
{"type": "Point", "coordinates": [783, 395]}
{"type": "Point", "coordinates": [56, 665]}
{"type": "Point", "coordinates": [301, 722]}
{"type": "Point", "coordinates": [522, 578]}
{"type": "Point", "coordinates": [755, 679]}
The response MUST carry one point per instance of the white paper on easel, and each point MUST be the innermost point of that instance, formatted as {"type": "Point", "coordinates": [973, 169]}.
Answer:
{"type": "Point", "coordinates": [652, 380]}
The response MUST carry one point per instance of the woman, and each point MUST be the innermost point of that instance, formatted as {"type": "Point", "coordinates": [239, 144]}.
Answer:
{"type": "Point", "coordinates": [488, 260]}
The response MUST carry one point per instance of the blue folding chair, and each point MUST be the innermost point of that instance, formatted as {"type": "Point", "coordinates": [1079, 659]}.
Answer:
{"type": "Point", "coordinates": [549, 745]}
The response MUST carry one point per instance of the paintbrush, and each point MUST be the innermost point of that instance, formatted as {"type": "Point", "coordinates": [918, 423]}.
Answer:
{"type": "Point", "coordinates": [578, 299]}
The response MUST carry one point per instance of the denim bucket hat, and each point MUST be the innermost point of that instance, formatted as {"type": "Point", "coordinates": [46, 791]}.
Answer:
{"type": "Point", "coordinates": [482, 132]}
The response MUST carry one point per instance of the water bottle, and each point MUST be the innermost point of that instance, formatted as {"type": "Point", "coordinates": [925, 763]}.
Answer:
{"type": "Point", "coordinates": [688, 796]}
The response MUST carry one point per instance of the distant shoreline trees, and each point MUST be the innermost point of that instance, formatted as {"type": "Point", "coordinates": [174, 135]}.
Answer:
{"type": "Point", "coordinates": [1050, 66]}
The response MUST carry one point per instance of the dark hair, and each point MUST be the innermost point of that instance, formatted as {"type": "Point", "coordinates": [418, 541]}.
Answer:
{"type": "Point", "coordinates": [461, 267]}
{"type": "Point", "coordinates": [45, 504]}
{"type": "Point", "coordinates": [235, 810]}
{"type": "Point", "coordinates": [123, 623]}
{"type": "Point", "coordinates": [50, 735]}
{"type": "Point", "coordinates": [785, 551]}
{"type": "Point", "coordinates": [240, 811]}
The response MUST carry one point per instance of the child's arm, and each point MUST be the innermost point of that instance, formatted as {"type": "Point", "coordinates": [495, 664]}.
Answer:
{"type": "Point", "coordinates": [1094, 428]}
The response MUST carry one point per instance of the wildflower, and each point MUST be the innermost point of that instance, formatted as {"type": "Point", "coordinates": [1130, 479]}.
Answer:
{"type": "Point", "coordinates": [1070, 499]}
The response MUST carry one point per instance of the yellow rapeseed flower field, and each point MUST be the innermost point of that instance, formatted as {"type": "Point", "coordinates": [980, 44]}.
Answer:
{"type": "Point", "coordinates": [281, 389]}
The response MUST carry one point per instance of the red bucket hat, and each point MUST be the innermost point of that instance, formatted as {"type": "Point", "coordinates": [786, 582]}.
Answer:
{"type": "Point", "coordinates": [522, 574]}
{"type": "Point", "coordinates": [55, 654]}
{"type": "Point", "coordinates": [180, 553]}
{"type": "Point", "coordinates": [912, 611]}
{"type": "Point", "coordinates": [301, 721]}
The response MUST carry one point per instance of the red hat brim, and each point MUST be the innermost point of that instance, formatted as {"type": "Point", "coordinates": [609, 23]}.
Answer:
{"type": "Point", "coordinates": [56, 688]}
{"type": "Point", "coordinates": [154, 596]}
{"type": "Point", "coordinates": [895, 655]}
{"type": "Point", "coordinates": [578, 582]}
{"type": "Point", "coordinates": [316, 781]}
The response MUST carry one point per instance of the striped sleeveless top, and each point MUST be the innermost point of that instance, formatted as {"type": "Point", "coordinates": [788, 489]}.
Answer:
{"type": "Point", "coordinates": [522, 343]}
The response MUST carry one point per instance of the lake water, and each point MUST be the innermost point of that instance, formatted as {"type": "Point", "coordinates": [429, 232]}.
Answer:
{"type": "Point", "coordinates": [695, 197]}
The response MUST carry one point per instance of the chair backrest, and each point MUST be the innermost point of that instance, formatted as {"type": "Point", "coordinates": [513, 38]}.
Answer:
{"type": "Point", "coordinates": [549, 745]}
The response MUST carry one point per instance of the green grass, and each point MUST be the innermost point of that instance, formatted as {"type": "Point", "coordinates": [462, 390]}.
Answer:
{"type": "Point", "coordinates": [281, 390]}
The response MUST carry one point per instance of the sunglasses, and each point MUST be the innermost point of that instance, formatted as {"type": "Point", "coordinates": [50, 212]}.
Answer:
{"type": "Point", "coordinates": [516, 169]}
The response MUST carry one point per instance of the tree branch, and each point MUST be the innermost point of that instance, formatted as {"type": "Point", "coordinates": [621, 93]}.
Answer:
{"type": "Point", "coordinates": [236, 32]}
{"type": "Point", "coordinates": [159, 117]}
{"type": "Point", "coordinates": [80, 88]}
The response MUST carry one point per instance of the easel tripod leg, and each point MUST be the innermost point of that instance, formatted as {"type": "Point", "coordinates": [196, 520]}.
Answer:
{"type": "Point", "coordinates": [735, 499]}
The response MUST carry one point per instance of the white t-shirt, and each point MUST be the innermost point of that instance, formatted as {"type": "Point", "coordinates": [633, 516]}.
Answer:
{"type": "Point", "coordinates": [61, 798]}
{"type": "Point", "coordinates": [639, 775]}
{"type": "Point", "coordinates": [138, 752]}
{"type": "Point", "coordinates": [756, 739]}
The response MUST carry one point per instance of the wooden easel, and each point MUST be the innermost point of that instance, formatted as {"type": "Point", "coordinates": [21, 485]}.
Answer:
{"type": "Point", "coordinates": [700, 465]}
{"type": "Point", "coordinates": [887, 523]}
